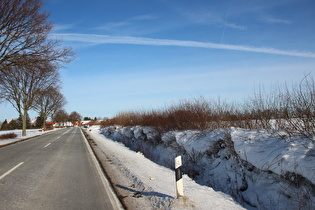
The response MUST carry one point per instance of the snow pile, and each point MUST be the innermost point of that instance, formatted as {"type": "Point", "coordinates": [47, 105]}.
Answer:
{"type": "Point", "coordinates": [29, 133]}
{"type": "Point", "coordinates": [257, 168]}
{"type": "Point", "coordinates": [279, 155]}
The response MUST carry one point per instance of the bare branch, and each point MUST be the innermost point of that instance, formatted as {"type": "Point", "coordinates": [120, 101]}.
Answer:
{"type": "Point", "coordinates": [24, 30]}
{"type": "Point", "coordinates": [48, 101]}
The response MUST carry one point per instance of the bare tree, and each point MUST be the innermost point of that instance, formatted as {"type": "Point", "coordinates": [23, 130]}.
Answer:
{"type": "Point", "coordinates": [20, 85]}
{"type": "Point", "coordinates": [29, 59]}
{"type": "Point", "coordinates": [60, 116]}
{"type": "Point", "coordinates": [48, 101]}
{"type": "Point", "coordinates": [74, 117]}
{"type": "Point", "coordinates": [24, 30]}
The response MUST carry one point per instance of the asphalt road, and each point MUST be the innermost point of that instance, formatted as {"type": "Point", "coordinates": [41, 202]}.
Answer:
{"type": "Point", "coordinates": [52, 171]}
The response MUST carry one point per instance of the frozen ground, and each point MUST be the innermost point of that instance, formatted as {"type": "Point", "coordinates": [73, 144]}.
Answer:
{"type": "Point", "coordinates": [259, 169]}
{"type": "Point", "coordinates": [29, 133]}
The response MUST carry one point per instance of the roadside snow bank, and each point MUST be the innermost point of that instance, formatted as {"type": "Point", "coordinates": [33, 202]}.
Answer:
{"type": "Point", "coordinates": [258, 169]}
{"type": "Point", "coordinates": [29, 133]}
{"type": "Point", "coordinates": [156, 183]}
{"type": "Point", "coordinates": [283, 156]}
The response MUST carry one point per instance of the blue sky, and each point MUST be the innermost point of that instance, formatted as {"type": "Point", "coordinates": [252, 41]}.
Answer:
{"type": "Point", "coordinates": [144, 54]}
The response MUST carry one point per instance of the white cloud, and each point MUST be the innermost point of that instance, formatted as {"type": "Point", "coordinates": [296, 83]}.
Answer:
{"type": "Point", "coordinates": [235, 26]}
{"type": "Point", "coordinates": [144, 17]}
{"type": "Point", "coordinates": [61, 27]}
{"type": "Point", "coordinates": [212, 18]}
{"type": "Point", "coordinates": [127, 22]}
{"type": "Point", "coordinates": [106, 39]}
{"type": "Point", "coordinates": [270, 19]}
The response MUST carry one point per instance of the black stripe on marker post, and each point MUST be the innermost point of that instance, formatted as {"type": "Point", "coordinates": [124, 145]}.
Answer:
{"type": "Point", "coordinates": [178, 173]}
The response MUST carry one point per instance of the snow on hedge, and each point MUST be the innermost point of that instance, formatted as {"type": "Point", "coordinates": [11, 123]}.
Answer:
{"type": "Point", "coordinates": [279, 155]}
{"type": "Point", "coordinates": [258, 168]}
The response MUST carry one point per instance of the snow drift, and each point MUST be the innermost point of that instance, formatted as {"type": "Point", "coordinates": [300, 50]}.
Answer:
{"type": "Point", "coordinates": [257, 168]}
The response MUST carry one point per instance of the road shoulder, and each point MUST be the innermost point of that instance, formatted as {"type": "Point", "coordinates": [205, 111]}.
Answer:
{"type": "Point", "coordinates": [125, 189]}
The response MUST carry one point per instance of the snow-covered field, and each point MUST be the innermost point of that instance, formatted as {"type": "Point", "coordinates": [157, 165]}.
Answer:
{"type": "Point", "coordinates": [29, 133]}
{"type": "Point", "coordinates": [257, 168]}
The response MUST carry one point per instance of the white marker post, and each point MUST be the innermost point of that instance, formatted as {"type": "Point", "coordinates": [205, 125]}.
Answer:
{"type": "Point", "coordinates": [178, 176]}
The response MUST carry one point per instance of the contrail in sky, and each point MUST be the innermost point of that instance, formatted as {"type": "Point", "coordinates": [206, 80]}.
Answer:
{"type": "Point", "coordinates": [226, 18]}
{"type": "Point", "coordinates": [106, 39]}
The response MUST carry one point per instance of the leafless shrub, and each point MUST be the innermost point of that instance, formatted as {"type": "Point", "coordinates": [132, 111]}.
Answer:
{"type": "Point", "coordinates": [281, 109]}
{"type": "Point", "coordinates": [188, 114]}
{"type": "Point", "coordinates": [302, 107]}
{"type": "Point", "coordinates": [289, 109]}
{"type": "Point", "coordinates": [8, 136]}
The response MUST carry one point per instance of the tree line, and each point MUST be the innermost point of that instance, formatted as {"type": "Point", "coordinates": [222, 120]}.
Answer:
{"type": "Point", "coordinates": [30, 60]}
{"type": "Point", "coordinates": [61, 117]}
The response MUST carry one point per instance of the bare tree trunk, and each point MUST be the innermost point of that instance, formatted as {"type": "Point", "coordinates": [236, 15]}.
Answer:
{"type": "Point", "coordinates": [24, 118]}
{"type": "Point", "coordinates": [44, 123]}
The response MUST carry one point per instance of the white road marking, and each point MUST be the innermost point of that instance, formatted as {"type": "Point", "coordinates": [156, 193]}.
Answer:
{"type": "Point", "coordinates": [47, 145]}
{"type": "Point", "coordinates": [10, 171]}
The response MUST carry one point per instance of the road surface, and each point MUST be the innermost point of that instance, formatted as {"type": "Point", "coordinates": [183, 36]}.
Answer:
{"type": "Point", "coordinates": [52, 171]}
